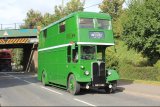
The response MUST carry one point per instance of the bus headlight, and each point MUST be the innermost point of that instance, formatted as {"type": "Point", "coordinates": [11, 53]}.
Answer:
{"type": "Point", "coordinates": [109, 73]}
{"type": "Point", "coordinates": [86, 73]}
{"type": "Point", "coordinates": [82, 67]}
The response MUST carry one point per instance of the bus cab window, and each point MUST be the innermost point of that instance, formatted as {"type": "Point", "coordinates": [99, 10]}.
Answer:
{"type": "Point", "coordinates": [75, 55]}
{"type": "Point", "coordinates": [101, 53]}
{"type": "Point", "coordinates": [88, 52]}
{"type": "Point", "coordinates": [69, 54]}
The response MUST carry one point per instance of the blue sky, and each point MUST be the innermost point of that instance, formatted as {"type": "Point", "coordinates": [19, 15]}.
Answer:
{"type": "Point", "coordinates": [14, 11]}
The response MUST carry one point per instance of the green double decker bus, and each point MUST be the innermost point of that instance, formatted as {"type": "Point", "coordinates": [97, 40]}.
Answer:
{"type": "Point", "coordinates": [71, 52]}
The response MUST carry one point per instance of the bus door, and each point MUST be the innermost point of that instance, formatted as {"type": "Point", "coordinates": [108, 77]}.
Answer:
{"type": "Point", "coordinates": [72, 59]}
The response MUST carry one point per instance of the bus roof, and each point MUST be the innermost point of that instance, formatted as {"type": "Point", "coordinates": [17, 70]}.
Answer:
{"type": "Point", "coordinates": [81, 14]}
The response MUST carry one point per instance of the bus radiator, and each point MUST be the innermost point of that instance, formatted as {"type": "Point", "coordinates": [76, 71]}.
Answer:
{"type": "Point", "coordinates": [99, 74]}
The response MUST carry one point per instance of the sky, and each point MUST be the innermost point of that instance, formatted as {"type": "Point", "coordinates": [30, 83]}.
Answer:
{"type": "Point", "coordinates": [14, 11]}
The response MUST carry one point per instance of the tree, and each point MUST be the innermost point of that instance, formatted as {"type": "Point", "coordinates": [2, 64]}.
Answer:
{"type": "Point", "coordinates": [17, 57]}
{"type": "Point", "coordinates": [47, 19]}
{"type": "Point", "coordinates": [33, 19]}
{"type": "Point", "coordinates": [142, 28]}
{"type": "Point", "coordinates": [114, 8]}
{"type": "Point", "coordinates": [59, 12]}
{"type": "Point", "coordinates": [72, 6]}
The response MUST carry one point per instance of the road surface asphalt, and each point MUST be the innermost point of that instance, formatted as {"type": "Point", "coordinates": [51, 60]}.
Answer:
{"type": "Point", "coordinates": [23, 89]}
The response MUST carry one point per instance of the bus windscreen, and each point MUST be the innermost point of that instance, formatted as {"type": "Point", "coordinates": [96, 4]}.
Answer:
{"type": "Point", "coordinates": [104, 24]}
{"type": "Point", "coordinates": [99, 23]}
{"type": "Point", "coordinates": [88, 52]}
{"type": "Point", "coordinates": [86, 23]}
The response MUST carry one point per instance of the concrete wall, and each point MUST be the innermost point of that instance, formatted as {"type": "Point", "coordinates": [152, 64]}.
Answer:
{"type": "Point", "coordinates": [34, 62]}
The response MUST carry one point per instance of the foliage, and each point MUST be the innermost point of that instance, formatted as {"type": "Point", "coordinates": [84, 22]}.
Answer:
{"type": "Point", "coordinates": [142, 28]}
{"type": "Point", "coordinates": [47, 19]}
{"type": "Point", "coordinates": [130, 64]}
{"type": "Point", "coordinates": [35, 18]}
{"type": "Point", "coordinates": [17, 56]}
{"type": "Point", "coordinates": [130, 57]}
{"type": "Point", "coordinates": [140, 73]}
{"type": "Point", "coordinates": [59, 12]}
{"type": "Point", "coordinates": [74, 5]}
{"type": "Point", "coordinates": [157, 65]}
{"type": "Point", "coordinates": [114, 8]}
{"type": "Point", "coordinates": [112, 60]}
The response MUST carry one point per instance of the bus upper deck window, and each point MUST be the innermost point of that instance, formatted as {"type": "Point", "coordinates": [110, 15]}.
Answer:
{"type": "Point", "coordinates": [104, 24]}
{"type": "Point", "coordinates": [62, 27]}
{"type": "Point", "coordinates": [86, 23]}
{"type": "Point", "coordinates": [45, 33]}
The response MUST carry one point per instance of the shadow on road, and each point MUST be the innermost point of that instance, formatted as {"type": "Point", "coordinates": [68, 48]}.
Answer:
{"type": "Point", "coordinates": [100, 91]}
{"type": "Point", "coordinates": [119, 89]}
{"type": "Point", "coordinates": [123, 82]}
{"type": "Point", "coordinates": [16, 79]}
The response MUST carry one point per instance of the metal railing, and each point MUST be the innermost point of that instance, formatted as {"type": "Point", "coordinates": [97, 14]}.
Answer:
{"type": "Point", "coordinates": [11, 26]}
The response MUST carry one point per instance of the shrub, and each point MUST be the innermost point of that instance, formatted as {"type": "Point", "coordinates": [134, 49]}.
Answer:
{"type": "Point", "coordinates": [112, 60]}
{"type": "Point", "coordinates": [157, 65]}
{"type": "Point", "coordinates": [140, 73]}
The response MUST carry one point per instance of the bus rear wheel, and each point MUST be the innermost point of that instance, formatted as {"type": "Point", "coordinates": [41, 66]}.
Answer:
{"type": "Point", "coordinates": [73, 85]}
{"type": "Point", "coordinates": [44, 79]}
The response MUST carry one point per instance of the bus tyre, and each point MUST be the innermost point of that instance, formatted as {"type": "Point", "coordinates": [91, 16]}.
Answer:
{"type": "Point", "coordinates": [44, 79]}
{"type": "Point", "coordinates": [108, 90]}
{"type": "Point", "coordinates": [112, 89]}
{"type": "Point", "coordinates": [73, 85]}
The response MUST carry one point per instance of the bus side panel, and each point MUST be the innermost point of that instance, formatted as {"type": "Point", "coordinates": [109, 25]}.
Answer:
{"type": "Point", "coordinates": [71, 30]}
{"type": "Point", "coordinates": [43, 64]}
{"type": "Point", "coordinates": [61, 66]}
{"type": "Point", "coordinates": [54, 61]}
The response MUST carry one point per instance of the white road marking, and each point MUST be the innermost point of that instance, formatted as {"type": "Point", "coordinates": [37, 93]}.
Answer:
{"type": "Point", "coordinates": [14, 76]}
{"type": "Point", "coordinates": [33, 83]}
{"type": "Point", "coordinates": [18, 78]}
{"type": "Point", "coordinates": [27, 81]}
{"type": "Point", "coordinates": [84, 102]}
{"type": "Point", "coordinates": [52, 90]}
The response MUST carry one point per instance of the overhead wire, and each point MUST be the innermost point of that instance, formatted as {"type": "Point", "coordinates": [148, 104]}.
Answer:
{"type": "Point", "coordinates": [93, 5]}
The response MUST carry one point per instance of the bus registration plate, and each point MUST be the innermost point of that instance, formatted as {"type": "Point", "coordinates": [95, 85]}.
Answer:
{"type": "Point", "coordinates": [96, 35]}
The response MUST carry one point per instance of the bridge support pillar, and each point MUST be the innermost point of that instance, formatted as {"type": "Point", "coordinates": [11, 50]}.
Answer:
{"type": "Point", "coordinates": [26, 55]}
{"type": "Point", "coordinates": [31, 60]}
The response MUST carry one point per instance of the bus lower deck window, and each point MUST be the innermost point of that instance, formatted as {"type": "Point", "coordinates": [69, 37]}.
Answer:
{"type": "Point", "coordinates": [69, 54]}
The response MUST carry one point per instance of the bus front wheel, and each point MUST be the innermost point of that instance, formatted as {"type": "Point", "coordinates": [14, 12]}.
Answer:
{"type": "Point", "coordinates": [111, 89]}
{"type": "Point", "coordinates": [73, 85]}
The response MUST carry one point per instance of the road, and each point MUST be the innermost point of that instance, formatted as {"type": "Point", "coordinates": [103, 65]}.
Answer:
{"type": "Point", "coordinates": [21, 89]}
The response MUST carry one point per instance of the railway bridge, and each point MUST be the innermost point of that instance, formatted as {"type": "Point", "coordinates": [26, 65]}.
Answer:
{"type": "Point", "coordinates": [26, 39]}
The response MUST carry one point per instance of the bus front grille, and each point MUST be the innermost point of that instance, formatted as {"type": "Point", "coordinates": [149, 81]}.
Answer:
{"type": "Point", "coordinates": [98, 74]}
